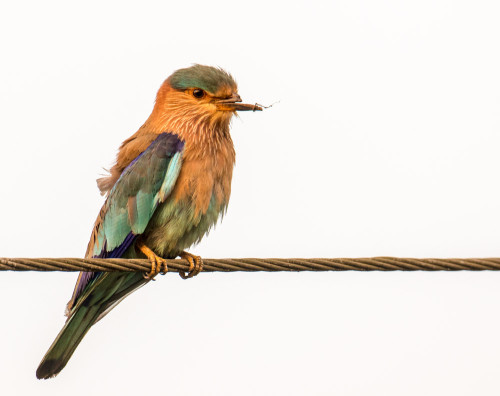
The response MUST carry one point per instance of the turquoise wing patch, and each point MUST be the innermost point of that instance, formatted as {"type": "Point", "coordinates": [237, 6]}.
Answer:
{"type": "Point", "coordinates": [142, 186]}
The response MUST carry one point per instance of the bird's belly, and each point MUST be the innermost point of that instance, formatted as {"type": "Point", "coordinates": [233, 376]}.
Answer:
{"type": "Point", "coordinates": [176, 226]}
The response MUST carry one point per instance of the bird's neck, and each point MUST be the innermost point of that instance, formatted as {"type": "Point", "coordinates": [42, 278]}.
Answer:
{"type": "Point", "coordinates": [205, 137]}
{"type": "Point", "coordinates": [200, 131]}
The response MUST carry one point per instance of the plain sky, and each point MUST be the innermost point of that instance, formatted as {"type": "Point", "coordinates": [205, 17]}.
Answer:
{"type": "Point", "coordinates": [385, 141]}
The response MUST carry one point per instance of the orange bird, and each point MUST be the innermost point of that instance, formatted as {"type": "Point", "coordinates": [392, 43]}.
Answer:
{"type": "Point", "coordinates": [170, 183]}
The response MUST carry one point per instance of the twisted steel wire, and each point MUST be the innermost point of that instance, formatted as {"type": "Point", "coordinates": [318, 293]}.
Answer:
{"type": "Point", "coordinates": [256, 264]}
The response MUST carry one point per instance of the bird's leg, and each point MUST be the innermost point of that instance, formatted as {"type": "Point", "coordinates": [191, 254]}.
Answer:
{"type": "Point", "coordinates": [195, 265]}
{"type": "Point", "coordinates": [156, 261]}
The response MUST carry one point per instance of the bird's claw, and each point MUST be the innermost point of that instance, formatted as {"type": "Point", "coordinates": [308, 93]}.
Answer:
{"type": "Point", "coordinates": [164, 266]}
{"type": "Point", "coordinates": [158, 264]}
{"type": "Point", "coordinates": [195, 265]}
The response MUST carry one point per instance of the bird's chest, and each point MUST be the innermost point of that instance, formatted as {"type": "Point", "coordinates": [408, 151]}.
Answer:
{"type": "Point", "coordinates": [200, 196]}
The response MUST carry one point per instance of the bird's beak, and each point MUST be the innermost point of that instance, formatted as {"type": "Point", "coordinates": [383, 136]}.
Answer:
{"type": "Point", "coordinates": [233, 104]}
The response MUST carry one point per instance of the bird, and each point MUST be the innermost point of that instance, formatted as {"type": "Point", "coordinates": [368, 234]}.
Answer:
{"type": "Point", "coordinates": [169, 185]}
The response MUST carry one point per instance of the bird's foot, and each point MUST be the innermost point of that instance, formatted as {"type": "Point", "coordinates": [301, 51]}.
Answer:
{"type": "Point", "coordinates": [195, 265]}
{"type": "Point", "coordinates": [157, 263]}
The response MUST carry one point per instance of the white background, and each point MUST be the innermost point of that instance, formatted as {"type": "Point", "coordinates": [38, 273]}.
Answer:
{"type": "Point", "coordinates": [385, 142]}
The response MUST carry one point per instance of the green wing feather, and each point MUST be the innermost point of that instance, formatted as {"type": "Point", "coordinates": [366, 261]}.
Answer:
{"type": "Point", "coordinates": [143, 185]}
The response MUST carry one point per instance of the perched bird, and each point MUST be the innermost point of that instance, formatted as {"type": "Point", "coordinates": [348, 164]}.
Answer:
{"type": "Point", "coordinates": [169, 185]}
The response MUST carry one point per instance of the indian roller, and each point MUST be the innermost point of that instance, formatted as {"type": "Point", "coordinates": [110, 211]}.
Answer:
{"type": "Point", "coordinates": [169, 185]}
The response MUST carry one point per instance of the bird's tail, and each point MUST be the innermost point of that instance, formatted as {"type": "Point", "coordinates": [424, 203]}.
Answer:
{"type": "Point", "coordinates": [67, 340]}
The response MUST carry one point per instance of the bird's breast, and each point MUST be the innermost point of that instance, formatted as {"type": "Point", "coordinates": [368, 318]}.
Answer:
{"type": "Point", "coordinates": [201, 194]}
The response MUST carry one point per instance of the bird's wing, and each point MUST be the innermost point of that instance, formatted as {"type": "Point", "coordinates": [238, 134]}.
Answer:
{"type": "Point", "coordinates": [145, 183]}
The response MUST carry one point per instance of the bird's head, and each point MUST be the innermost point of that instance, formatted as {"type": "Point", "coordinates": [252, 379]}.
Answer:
{"type": "Point", "coordinates": [199, 95]}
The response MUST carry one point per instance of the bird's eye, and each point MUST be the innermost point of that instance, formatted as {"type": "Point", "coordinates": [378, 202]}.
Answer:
{"type": "Point", "coordinates": [198, 93]}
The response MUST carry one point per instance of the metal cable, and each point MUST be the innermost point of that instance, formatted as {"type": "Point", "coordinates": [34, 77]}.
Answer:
{"type": "Point", "coordinates": [256, 264]}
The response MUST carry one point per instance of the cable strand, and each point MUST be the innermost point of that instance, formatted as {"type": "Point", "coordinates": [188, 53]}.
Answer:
{"type": "Point", "coordinates": [256, 264]}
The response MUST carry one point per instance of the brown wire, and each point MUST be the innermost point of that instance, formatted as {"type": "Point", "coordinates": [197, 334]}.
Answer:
{"type": "Point", "coordinates": [256, 264]}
